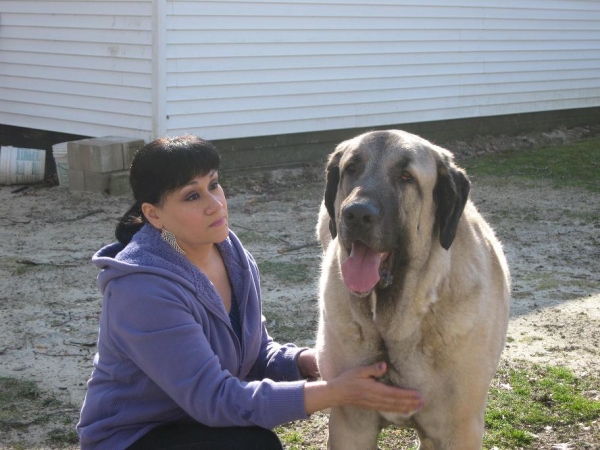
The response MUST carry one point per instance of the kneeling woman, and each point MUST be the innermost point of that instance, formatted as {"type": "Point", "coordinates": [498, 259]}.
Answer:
{"type": "Point", "coordinates": [184, 359]}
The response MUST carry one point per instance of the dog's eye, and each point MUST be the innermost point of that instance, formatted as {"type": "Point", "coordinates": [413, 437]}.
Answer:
{"type": "Point", "coordinates": [350, 169]}
{"type": "Point", "coordinates": [405, 176]}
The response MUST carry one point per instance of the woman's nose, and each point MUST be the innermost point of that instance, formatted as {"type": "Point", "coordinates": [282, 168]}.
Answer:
{"type": "Point", "coordinates": [215, 202]}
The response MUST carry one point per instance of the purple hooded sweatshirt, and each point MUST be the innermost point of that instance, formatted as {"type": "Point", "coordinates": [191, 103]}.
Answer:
{"type": "Point", "coordinates": [167, 351]}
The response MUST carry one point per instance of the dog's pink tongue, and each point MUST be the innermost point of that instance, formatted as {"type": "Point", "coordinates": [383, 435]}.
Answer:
{"type": "Point", "coordinates": [361, 269]}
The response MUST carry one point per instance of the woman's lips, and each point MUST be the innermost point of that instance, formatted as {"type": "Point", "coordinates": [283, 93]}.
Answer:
{"type": "Point", "coordinates": [219, 222]}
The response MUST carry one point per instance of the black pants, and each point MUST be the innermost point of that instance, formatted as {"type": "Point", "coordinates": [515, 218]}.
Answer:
{"type": "Point", "coordinates": [195, 436]}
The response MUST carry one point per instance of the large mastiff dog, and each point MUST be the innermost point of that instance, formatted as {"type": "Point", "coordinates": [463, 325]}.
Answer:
{"type": "Point", "coordinates": [413, 275]}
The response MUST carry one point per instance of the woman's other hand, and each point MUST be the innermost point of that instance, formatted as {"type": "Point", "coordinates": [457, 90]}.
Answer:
{"type": "Point", "coordinates": [307, 364]}
{"type": "Point", "coordinates": [359, 387]}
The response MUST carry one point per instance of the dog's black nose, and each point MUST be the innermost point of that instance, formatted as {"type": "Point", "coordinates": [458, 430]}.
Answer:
{"type": "Point", "coordinates": [360, 214]}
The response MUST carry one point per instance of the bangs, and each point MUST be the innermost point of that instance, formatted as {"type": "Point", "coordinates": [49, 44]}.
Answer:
{"type": "Point", "coordinates": [186, 163]}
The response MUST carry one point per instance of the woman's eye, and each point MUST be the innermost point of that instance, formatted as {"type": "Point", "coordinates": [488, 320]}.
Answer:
{"type": "Point", "coordinates": [405, 176]}
{"type": "Point", "coordinates": [214, 185]}
{"type": "Point", "coordinates": [191, 197]}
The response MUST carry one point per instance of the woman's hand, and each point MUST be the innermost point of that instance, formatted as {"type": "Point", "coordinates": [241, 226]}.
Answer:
{"type": "Point", "coordinates": [307, 364]}
{"type": "Point", "coordinates": [359, 387]}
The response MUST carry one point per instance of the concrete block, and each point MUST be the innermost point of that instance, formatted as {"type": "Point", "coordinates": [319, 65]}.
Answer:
{"type": "Point", "coordinates": [95, 155]}
{"type": "Point", "coordinates": [130, 147]}
{"type": "Point", "coordinates": [129, 151]}
{"type": "Point", "coordinates": [96, 182]}
{"type": "Point", "coordinates": [76, 180]}
{"type": "Point", "coordinates": [119, 183]}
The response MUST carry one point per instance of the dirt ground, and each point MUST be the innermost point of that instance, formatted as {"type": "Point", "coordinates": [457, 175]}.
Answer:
{"type": "Point", "coordinates": [50, 305]}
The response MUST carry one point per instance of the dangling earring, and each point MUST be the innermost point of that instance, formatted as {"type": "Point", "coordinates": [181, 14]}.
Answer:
{"type": "Point", "coordinates": [170, 239]}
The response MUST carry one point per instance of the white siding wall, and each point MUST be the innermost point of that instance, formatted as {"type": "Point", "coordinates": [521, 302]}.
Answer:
{"type": "Point", "coordinates": [250, 68]}
{"type": "Point", "coordinates": [81, 67]}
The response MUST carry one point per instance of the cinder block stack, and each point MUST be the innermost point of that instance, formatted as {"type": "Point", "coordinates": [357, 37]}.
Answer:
{"type": "Point", "coordinates": [101, 164]}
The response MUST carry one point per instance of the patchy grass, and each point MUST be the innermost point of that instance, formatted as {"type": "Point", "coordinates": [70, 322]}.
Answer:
{"type": "Point", "coordinates": [529, 407]}
{"type": "Point", "coordinates": [573, 165]}
{"type": "Point", "coordinates": [288, 272]}
{"type": "Point", "coordinates": [249, 236]}
{"type": "Point", "coordinates": [24, 408]}
{"type": "Point", "coordinates": [545, 281]}
{"type": "Point", "coordinates": [293, 325]}
{"type": "Point", "coordinates": [529, 404]}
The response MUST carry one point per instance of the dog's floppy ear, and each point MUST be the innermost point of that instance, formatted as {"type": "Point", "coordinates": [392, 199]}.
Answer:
{"type": "Point", "coordinates": [451, 193]}
{"type": "Point", "coordinates": [332, 177]}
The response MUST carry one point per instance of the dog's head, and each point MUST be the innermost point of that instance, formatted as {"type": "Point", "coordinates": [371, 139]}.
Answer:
{"type": "Point", "coordinates": [391, 195]}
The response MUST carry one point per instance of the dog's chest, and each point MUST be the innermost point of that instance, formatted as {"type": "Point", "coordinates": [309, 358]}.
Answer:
{"type": "Point", "coordinates": [411, 351]}
{"type": "Point", "coordinates": [398, 343]}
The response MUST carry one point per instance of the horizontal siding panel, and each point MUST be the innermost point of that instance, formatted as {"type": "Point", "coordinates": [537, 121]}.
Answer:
{"type": "Point", "coordinates": [543, 10]}
{"type": "Point", "coordinates": [412, 102]}
{"type": "Point", "coordinates": [44, 33]}
{"type": "Point", "coordinates": [78, 114]}
{"type": "Point", "coordinates": [308, 36]}
{"type": "Point", "coordinates": [308, 75]}
{"type": "Point", "coordinates": [185, 65]}
{"type": "Point", "coordinates": [550, 105]}
{"type": "Point", "coordinates": [141, 66]}
{"type": "Point", "coordinates": [87, 21]}
{"type": "Point", "coordinates": [200, 93]}
{"type": "Point", "coordinates": [403, 3]}
{"type": "Point", "coordinates": [76, 88]}
{"type": "Point", "coordinates": [520, 23]}
{"type": "Point", "coordinates": [536, 10]}
{"type": "Point", "coordinates": [367, 37]}
{"type": "Point", "coordinates": [538, 70]}
{"type": "Point", "coordinates": [91, 104]}
{"type": "Point", "coordinates": [320, 9]}
{"type": "Point", "coordinates": [77, 48]}
{"type": "Point", "coordinates": [351, 24]}
{"type": "Point", "coordinates": [244, 50]}
{"type": "Point", "coordinates": [248, 93]}
{"type": "Point", "coordinates": [244, 94]}
{"type": "Point", "coordinates": [283, 23]}
{"type": "Point", "coordinates": [379, 96]}
{"type": "Point", "coordinates": [105, 77]}
{"type": "Point", "coordinates": [79, 8]}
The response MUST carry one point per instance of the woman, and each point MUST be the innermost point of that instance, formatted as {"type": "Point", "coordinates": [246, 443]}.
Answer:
{"type": "Point", "coordinates": [184, 359]}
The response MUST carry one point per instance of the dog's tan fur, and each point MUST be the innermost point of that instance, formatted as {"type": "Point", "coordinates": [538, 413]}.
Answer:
{"type": "Point", "coordinates": [441, 325]}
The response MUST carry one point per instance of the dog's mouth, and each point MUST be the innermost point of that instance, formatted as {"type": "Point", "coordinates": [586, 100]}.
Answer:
{"type": "Point", "coordinates": [365, 268]}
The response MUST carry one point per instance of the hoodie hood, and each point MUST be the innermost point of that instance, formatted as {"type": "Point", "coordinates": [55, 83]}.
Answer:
{"type": "Point", "coordinates": [149, 253]}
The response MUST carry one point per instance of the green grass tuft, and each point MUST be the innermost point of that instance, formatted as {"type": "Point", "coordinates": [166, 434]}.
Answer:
{"type": "Point", "coordinates": [529, 407]}
{"type": "Point", "coordinates": [24, 405]}
{"type": "Point", "coordinates": [524, 400]}
{"type": "Point", "coordinates": [293, 272]}
{"type": "Point", "coordinates": [573, 165]}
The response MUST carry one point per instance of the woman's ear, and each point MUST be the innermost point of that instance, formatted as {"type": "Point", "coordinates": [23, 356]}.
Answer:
{"type": "Point", "coordinates": [152, 215]}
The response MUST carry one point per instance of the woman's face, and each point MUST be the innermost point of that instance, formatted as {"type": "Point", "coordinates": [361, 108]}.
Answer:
{"type": "Point", "coordinates": [196, 214]}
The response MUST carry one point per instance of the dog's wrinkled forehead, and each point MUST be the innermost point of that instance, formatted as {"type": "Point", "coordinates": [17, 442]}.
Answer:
{"type": "Point", "coordinates": [392, 148]}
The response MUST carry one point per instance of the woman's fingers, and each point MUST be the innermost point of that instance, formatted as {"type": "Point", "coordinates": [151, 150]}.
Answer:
{"type": "Point", "coordinates": [382, 397]}
{"type": "Point", "coordinates": [363, 390]}
{"type": "Point", "coordinates": [373, 371]}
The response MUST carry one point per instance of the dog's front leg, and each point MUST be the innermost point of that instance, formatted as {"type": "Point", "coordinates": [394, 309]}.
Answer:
{"type": "Point", "coordinates": [352, 428]}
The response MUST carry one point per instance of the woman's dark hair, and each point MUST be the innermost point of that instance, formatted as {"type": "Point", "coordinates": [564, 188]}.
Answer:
{"type": "Point", "coordinates": [160, 168]}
